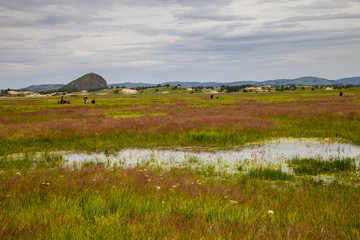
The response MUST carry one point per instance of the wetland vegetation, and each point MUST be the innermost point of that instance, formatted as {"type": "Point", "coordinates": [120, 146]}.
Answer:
{"type": "Point", "coordinates": [43, 197]}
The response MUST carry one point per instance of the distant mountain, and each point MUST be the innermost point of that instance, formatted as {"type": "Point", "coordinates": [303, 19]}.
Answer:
{"type": "Point", "coordinates": [307, 81]}
{"type": "Point", "coordinates": [208, 84]}
{"type": "Point", "coordinates": [42, 87]}
{"type": "Point", "coordinates": [352, 80]}
{"type": "Point", "coordinates": [90, 81]}
{"type": "Point", "coordinates": [192, 84]}
{"type": "Point", "coordinates": [132, 85]}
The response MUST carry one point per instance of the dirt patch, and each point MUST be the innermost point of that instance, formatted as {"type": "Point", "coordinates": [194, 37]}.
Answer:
{"type": "Point", "coordinates": [212, 91]}
{"type": "Point", "coordinates": [20, 92]}
{"type": "Point", "coordinates": [129, 91]}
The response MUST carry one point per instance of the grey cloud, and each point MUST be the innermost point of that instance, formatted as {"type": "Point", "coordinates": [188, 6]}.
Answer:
{"type": "Point", "coordinates": [53, 35]}
{"type": "Point", "coordinates": [34, 5]}
{"type": "Point", "coordinates": [323, 17]}
{"type": "Point", "coordinates": [63, 38]}
{"type": "Point", "coordinates": [266, 42]}
{"type": "Point", "coordinates": [208, 14]}
{"type": "Point", "coordinates": [199, 16]}
{"type": "Point", "coordinates": [322, 5]}
{"type": "Point", "coordinates": [66, 19]}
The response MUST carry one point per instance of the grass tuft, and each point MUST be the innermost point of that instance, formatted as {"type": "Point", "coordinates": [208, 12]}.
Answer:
{"type": "Point", "coordinates": [313, 166]}
{"type": "Point", "coordinates": [269, 174]}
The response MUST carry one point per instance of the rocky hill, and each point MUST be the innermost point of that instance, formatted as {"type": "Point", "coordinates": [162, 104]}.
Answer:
{"type": "Point", "coordinates": [90, 81]}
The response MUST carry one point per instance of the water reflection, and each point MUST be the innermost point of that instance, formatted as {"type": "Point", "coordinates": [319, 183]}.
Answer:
{"type": "Point", "coordinates": [274, 152]}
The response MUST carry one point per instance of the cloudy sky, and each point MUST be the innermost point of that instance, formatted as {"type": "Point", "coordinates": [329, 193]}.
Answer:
{"type": "Point", "coordinates": [154, 41]}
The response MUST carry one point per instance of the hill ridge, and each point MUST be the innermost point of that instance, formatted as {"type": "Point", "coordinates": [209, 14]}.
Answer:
{"type": "Point", "coordinates": [307, 80]}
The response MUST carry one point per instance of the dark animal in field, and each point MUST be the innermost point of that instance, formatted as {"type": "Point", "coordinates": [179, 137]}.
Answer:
{"type": "Point", "coordinates": [64, 102]}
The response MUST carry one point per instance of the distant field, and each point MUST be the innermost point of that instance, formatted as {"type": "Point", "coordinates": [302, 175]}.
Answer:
{"type": "Point", "coordinates": [176, 118]}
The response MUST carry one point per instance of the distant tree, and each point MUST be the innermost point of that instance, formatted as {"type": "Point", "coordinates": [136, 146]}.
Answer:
{"type": "Point", "coordinates": [4, 92]}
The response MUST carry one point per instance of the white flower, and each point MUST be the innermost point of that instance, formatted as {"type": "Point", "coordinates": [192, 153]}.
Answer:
{"type": "Point", "coordinates": [270, 212]}
{"type": "Point", "coordinates": [18, 173]}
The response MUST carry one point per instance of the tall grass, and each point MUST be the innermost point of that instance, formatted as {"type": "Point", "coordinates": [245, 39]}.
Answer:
{"type": "Point", "coordinates": [94, 202]}
{"type": "Point", "coordinates": [269, 173]}
{"type": "Point", "coordinates": [314, 166]}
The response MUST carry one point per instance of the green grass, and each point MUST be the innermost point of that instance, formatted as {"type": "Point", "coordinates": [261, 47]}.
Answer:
{"type": "Point", "coordinates": [269, 173]}
{"type": "Point", "coordinates": [313, 166]}
{"type": "Point", "coordinates": [43, 160]}
{"type": "Point", "coordinates": [171, 121]}
{"type": "Point", "coordinates": [94, 202]}
{"type": "Point", "coordinates": [175, 119]}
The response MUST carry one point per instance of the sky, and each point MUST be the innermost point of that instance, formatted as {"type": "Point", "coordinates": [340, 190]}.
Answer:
{"type": "Point", "coordinates": [156, 41]}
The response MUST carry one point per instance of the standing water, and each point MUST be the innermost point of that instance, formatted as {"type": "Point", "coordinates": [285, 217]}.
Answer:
{"type": "Point", "coordinates": [274, 152]}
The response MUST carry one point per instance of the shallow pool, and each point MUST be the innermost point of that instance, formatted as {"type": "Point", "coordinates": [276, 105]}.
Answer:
{"type": "Point", "coordinates": [273, 152]}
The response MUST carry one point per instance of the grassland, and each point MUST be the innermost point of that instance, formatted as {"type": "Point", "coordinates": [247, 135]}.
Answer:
{"type": "Point", "coordinates": [41, 198]}
{"type": "Point", "coordinates": [153, 119]}
{"type": "Point", "coordinates": [44, 199]}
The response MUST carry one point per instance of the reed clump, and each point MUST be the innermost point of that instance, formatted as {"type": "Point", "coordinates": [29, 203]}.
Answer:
{"type": "Point", "coordinates": [269, 173]}
{"type": "Point", "coordinates": [314, 166]}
